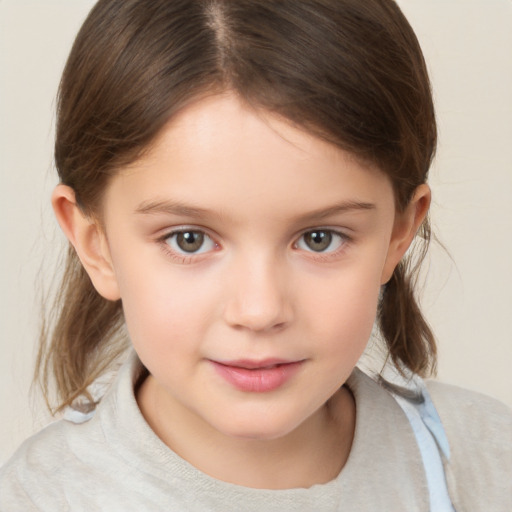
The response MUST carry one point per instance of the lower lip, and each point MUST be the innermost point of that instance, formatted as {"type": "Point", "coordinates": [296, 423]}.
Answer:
{"type": "Point", "coordinates": [258, 380]}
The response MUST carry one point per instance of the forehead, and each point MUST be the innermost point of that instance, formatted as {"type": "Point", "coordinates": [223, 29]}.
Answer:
{"type": "Point", "coordinates": [224, 119]}
{"type": "Point", "coordinates": [222, 152]}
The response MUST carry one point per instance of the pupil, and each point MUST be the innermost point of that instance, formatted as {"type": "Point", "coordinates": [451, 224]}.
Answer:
{"type": "Point", "coordinates": [318, 240]}
{"type": "Point", "coordinates": [190, 241]}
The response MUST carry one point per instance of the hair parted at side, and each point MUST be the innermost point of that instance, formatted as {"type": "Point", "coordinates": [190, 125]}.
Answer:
{"type": "Point", "coordinates": [349, 71]}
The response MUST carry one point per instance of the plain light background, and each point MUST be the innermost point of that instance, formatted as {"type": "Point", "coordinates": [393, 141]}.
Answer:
{"type": "Point", "coordinates": [468, 295]}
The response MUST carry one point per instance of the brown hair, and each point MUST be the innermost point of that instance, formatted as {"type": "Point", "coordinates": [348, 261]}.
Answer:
{"type": "Point", "coordinates": [349, 71]}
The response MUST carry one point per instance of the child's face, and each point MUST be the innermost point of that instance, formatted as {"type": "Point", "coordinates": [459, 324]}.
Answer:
{"type": "Point", "coordinates": [249, 257]}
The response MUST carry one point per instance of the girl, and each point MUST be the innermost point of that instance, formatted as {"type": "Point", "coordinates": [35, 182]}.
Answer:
{"type": "Point", "coordinates": [240, 182]}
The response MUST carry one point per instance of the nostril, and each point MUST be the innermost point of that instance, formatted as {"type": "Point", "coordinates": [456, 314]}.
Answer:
{"type": "Point", "coordinates": [271, 319]}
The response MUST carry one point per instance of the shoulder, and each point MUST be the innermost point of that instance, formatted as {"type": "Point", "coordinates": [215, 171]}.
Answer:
{"type": "Point", "coordinates": [479, 431]}
{"type": "Point", "coordinates": [473, 415]}
{"type": "Point", "coordinates": [75, 466]}
{"type": "Point", "coordinates": [27, 480]}
{"type": "Point", "coordinates": [57, 468]}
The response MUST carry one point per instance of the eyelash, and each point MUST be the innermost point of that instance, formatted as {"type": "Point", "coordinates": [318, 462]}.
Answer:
{"type": "Point", "coordinates": [184, 257]}
{"type": "Point", "coordinates": [343, 240]}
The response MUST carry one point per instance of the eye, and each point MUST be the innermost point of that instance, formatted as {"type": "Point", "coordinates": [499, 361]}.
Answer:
{"type": "Point", "coordinates": [320, 240]}
{"type": "Point", "coordinates": [189, 241]}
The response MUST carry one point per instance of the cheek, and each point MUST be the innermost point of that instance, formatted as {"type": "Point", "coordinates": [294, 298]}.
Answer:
{"type": "Point", "coordinates": [166, 311]}
{"type": "Point", "coordinates": [344, 311]}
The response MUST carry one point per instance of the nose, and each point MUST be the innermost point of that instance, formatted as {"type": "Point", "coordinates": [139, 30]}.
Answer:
{"type": "Point", "coordinates": [259, 296]}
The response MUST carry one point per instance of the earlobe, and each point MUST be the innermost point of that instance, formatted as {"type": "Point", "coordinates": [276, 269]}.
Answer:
{"type": "Point", "coordinates": [405, 228]}
{"type": "Point", "coordinates": [88, 239]}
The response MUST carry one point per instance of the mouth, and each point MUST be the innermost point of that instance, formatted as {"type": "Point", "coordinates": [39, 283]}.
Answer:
{"type": "Point", "coordinates": [257, 376]}
{"type": "Point", "coordinates": [248, 364]}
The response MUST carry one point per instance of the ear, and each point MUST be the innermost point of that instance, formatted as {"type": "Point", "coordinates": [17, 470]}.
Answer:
{"type": "Point", "coordinates": [405, 228]}
{"type": "Point", "coordinates": [88, 239]}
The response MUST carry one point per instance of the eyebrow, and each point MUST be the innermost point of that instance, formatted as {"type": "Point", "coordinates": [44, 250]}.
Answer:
{"type": "Point", "coordinates": [172, 208]}
{"type": "Point", "coordinates": [344, 207]}
{"type": "Point", "coordinates": [184, 210]}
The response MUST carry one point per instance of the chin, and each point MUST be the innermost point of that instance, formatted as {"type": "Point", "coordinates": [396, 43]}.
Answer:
{"type": "Point", "coordinates": [257, 430]}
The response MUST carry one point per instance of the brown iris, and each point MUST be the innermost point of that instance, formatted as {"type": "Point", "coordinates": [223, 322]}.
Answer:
{"type": "Point", "coordinates": [190, 241]}
{"type": "Point", "coordinates": [318, 241]}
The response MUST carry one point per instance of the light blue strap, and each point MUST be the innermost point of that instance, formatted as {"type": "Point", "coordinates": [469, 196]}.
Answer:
{"type": "Point", "coordinates": [75, 416]}
{"type": "Point", "coordinates": [430, 417]}
{"type": "Point", "coordinates": [83, 409]}
{"type": "Point", "coordinates": [432, 441]}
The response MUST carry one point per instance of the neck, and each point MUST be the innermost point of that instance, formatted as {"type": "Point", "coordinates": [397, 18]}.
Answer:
{"type": "Point", "coordinates": [313, 453]}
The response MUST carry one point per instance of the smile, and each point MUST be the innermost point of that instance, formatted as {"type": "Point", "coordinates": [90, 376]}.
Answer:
{"type": "Point", "coordinates": [257, 376]}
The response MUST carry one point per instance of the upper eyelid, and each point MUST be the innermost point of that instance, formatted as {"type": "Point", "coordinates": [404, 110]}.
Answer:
{"type": "Point", "coordinates": [338, 231]}
{"type": "Point", "coordinates": [168, 232]}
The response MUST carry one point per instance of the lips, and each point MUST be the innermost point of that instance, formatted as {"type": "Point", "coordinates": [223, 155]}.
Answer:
{"type": "Point", "coordinates": [257, 376]}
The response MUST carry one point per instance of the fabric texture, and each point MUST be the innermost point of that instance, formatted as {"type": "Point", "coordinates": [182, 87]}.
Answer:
{"type": "Point", "coordinates": [479, 430]}
{"type": "Point", "coordinates": [114, 462]}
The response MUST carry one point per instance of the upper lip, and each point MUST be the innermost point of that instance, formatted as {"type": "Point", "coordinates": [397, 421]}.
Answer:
{"type": "Point", "coordinates": [251, 364]}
